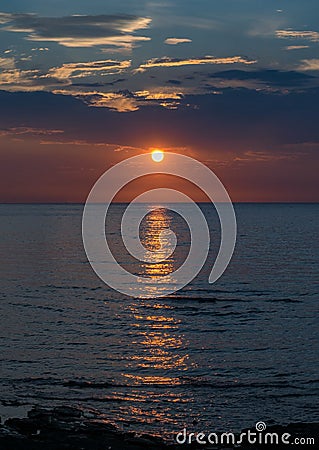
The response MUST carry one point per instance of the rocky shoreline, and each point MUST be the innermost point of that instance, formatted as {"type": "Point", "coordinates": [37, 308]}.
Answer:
{"type": "Point", "coordinates": [70, 428]}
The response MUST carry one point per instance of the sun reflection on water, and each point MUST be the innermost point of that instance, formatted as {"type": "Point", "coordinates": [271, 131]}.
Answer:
{"type": "Point", "coordinates": [158, 341]}
{"type": "Point", "coordinates": [159, 359]}
{"type": "Point", "coordinates": [159, 350]}
{"type": "Point", "coordinates": [155, 237]}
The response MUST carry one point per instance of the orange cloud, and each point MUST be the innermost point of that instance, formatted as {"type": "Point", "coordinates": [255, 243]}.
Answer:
{"type": "Point", "coordinates": [115, 101]}
{"type": "Point", "coordinates": [147, 95]}
{"type": "Point", "coordinates": [171, 62]}
{"type": "Point", "coordinates": [86, 69]}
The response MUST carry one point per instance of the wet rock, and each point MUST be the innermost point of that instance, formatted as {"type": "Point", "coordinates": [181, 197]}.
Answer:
{"type": "Point", "coordinates": [67, 428]}
{"type": "Point", "coordinates": [96, 427]}
{"type": "Point", "coordinates": [67, 412]}
{"type": "Point", "coordinates": [145, 442]}
{"type": "Point", "coordinates": [41, 414]}
{"type": "Point", "coordinates": [22, 426]}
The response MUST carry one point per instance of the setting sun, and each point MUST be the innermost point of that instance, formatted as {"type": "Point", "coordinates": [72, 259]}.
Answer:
{"type": "Point", "coordinates": [157, 155]}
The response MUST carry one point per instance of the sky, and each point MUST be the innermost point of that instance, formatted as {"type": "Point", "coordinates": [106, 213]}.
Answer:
{"type": "Point", "coordinates": [232, 83]}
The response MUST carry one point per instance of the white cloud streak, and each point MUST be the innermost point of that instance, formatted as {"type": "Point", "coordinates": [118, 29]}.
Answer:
{"type": "Point", "coordinates": [176, 41]}
{"type": "Point", "coordinates": [296, 47]}
{"type": "Point", "coordinates": [312, 36]}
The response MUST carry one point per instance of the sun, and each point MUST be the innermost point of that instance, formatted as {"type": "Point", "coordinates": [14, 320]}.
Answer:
{"type": "Point", "coordinates": [157, 155]}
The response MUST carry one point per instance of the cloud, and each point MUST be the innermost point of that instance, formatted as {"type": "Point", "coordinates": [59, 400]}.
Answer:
{"type": "Point", "coordinates": [262, 119]}
{"type": "Point", "coordinates": [40, 49]}
{"type": "Point", "coordinates": [77, 142]}
{"type": "Point", "coordinates": [176, 62]}
{"type": "Point", "coordinates": [16, 80]}
{"type": "Point", "coordinates": [116, 101]}
{"type": "Point", "coordinates": [4, 18]}
{"type": "Point", "coordinates": [159, 95]}
{"type": "Point", "coordinates": [125, 42]}
{"type": "Point", "coordinates": [28, 131]}
{"type": "Point", "coordinates": [263, 156]}
{"type": "Point", "coordinates": [86, 69]}
{"type": "Point", "coordinates": [7, 63]}
{"type": "Point", "coordinates": [175, 41]}
{"type": "Point", "coordinates": [174, 82]}
{"type": "Point", "coordinates": [259, 78]}
{"type": "Point", "coordinates": [312, 36]}
{"type": "Point", "coordinates": [309, 64]}
{"type": "Point", "coordinates": [13, 79]}
{"type": "Point", "coordinates": [173, 20]}
{"type": "Point", "coordinates": [79, 30]}
{"type": "Point", "coordinates": [166, 98]}
{"type": "Point", "coordinates": [88, 143]}
{"type": "Point", "coordinates": [296, 47]}
{"type": "Point", "coordinates": [126, 101]}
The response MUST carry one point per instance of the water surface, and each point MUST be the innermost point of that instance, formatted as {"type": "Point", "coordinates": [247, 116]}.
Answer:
{"type": "Point", "coordinates": [227, 355]}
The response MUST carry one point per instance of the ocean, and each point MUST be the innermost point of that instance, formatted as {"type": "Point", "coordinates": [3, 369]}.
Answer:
{"type": "Point", "coordinates": [215, 357]}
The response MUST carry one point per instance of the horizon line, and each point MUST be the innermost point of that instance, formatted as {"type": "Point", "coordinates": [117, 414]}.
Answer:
{"type": "Point", "coordinates": [127, 203]}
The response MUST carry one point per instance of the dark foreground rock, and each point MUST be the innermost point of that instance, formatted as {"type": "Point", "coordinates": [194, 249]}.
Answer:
{"type": "Point", "coordinates": [68, 428]}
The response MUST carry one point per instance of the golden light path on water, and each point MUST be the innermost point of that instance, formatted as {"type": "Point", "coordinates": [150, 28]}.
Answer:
{"type": "Point", "coordinates": [159, 344]}
{"type": "Point", "coordinates": [154, 235]}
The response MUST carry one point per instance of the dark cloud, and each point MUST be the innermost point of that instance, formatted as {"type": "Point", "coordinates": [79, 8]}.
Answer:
{"type": "Point", "coordinates": [79, 30]}
{"type": "Point", "coordinates": [175, 82]}
{"type": "Point", "coordinates": [273, 77]}
{"type": "Point", "coordinates": [97, 85]}
{"type": "Point", "coordinates": [237, 119]}
{"type": "Point", "coordinates": [125, 100]}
